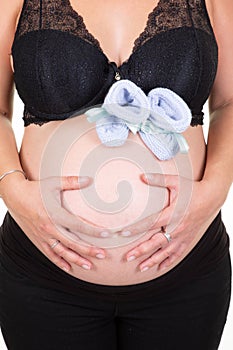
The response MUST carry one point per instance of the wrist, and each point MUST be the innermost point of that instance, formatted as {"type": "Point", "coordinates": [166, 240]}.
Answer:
{"type": "Point", "coordinates": [9, 172]}
{"type": "Point", "coordinates": [11, 186]}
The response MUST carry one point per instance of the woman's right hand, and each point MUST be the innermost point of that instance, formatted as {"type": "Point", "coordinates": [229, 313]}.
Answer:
{"type": "Point", "coordinates": [25, 201]}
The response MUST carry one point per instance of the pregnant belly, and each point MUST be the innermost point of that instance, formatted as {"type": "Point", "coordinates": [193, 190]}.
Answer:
{"type": "Point", "coordinates": [116, 198]}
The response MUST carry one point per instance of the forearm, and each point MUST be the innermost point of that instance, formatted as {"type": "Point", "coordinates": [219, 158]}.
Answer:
{"type": "Point", "coordinates": [9, 158]}
{"type": "Point", "coordinates": [219, 164]}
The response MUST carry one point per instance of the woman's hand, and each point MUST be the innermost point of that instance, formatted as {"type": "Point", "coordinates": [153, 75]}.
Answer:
{"type": "Point", "coordinates": [192, 204]}
{"type": "Point", "coordinates": [36, 207]}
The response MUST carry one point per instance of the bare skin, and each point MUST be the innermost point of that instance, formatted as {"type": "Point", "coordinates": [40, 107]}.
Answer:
{"type": "Point", "coordinates": [116, 37]}
{"type": "Point", "coordinates": [114, 269]}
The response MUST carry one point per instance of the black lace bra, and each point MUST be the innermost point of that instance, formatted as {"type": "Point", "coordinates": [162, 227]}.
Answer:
{"type": "Point", "coordinates": [60, 67]}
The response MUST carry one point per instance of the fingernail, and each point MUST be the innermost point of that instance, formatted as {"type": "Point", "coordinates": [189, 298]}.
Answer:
{"type": "Point", "coordinates": [131, 258]}
{"type": "Point", "coordinates": [104, 234]}
{"type": "Point", "coordinates": [100, 256]}
{"type": "Point", "coordinates": [86, 267]}
{"type": "Point", "coordinates": [125, 233]}
{"type": "Point", "coordinates": [148, 176]}
{"type": "Point", "coordinates": [144, 268]}
{"type": "Point", "coordinates": [82, 179]}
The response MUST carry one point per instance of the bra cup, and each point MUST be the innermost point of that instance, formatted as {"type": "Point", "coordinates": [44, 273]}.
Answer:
{"type": "Point", "coordinates": [70, 72]}
{"type": "Point", "coordinates": [56, 79]}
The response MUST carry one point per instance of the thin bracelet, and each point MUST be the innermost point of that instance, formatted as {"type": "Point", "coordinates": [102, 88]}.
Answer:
{"type": "Point", "coordinates": [11, 172]}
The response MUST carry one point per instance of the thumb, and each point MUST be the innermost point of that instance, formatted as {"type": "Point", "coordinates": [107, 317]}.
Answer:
{"type": "Point", "coordinates": [162, 180]}
{"type": "Point", "coordinates": [74, 182]}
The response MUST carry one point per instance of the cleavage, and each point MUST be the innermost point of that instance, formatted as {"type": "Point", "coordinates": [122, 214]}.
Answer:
{"type": "Point", "coordinates": [109, 29]}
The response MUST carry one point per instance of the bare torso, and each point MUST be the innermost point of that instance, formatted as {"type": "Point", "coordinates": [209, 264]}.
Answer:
{"type": "Point", "coordinates": [112, 165]}
{"type": "Point", "coordinates": [39, 146]}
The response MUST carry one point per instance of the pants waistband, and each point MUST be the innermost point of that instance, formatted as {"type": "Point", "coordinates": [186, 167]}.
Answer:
{"type": "Point", "coordinates": [19, 255]}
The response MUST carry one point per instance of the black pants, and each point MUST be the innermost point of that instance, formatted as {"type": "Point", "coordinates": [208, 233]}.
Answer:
{"type": "Point", "coordinates": [188, 315]}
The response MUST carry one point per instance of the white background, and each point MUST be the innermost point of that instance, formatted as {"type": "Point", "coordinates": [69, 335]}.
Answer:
{"type": "Point", "coordinates": [227, 213]}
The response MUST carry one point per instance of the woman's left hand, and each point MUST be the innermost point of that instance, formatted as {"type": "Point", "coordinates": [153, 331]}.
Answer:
{"type": "Point", "coordinates": [192, 204]}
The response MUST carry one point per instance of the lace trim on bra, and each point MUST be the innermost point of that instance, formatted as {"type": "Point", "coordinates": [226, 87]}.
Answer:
{"type": "Point", "coordinates": [59, 15]}
{"type": "Point", "coordinates": [173, 14]}
{"type": "Point", "coordinates": [29, 118]}
{"type": "Point", "coordinates": [55, 15]}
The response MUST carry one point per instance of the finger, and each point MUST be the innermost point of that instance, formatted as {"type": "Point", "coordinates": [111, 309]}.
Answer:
{"type": "Point", "coordinates": [71, 256]}
{"type": "Point", "coordinates": [75, 223]}
{"type": "Point", "coordinates": [156, 259]}
{"type": "Point", "coordinates": [167, 262]}
{"type": "Point", "coordinates": [141, 226]}
{"type": "Point", "coordinates": [76, 245]}
{"type": "Point", "coordinates": [74, 182]}
{"type": "Point", "coordinates": [164, 257]}
{"type": "Point", "coordinates": [161, 180]}
{"type": "Point", "coordinates": [176, 254]}
{"type": "Point", "coordinates": [59, 214]}
{"type": "Point", "coordinates": [65, 183]}
{"type": "Point", "coordinates": [56, 259]}
{"type": "Point", "coordinates": [172, 182]}
{"type": "Point", "coordinates": [153, 222]}
{"type": "Point", "coordinates": [155, 243]}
